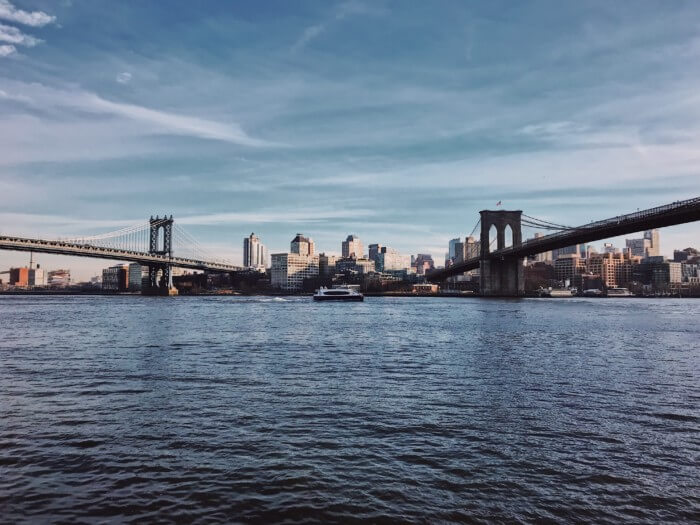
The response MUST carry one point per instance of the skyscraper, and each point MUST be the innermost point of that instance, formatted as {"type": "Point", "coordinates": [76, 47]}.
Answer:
{"type": "Point", "coordinates": [652, 236]}
{"type": "Point", "coordinates": [647, 246]}
{"type": "Point", "coordinates": [374, 251]}
{"type": "Point", "coordinates": [451, 249]}
{"type": "Point", "coordinates": [302, 245]}
{"type": "Point", "coordinates": [389, 259]}
{"type": "Point", "coordinates": [290, 270]}
{"type": "Point", "coordinates": [352, 247]}
{"type": "Point", "coordinates": [254, 253]}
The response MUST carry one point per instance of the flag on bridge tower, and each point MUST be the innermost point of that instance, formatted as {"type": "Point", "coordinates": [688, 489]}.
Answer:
{"type": "Point", "coordinates": [498, 203]}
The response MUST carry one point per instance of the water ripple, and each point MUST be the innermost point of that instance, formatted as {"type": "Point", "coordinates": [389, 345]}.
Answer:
{"type": "Point", "coordinates": [219, 410]}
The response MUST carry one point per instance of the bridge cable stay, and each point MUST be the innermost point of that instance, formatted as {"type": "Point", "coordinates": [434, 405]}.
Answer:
{"type": "Point", "coordinates": [185, 243]}
{"type": "Point", "coordinates": [547, 225]}
{"type": "Point", "coordinates": [543, 221]}
{"type": "Point", "coordinates": [131, 238]}
{"type": "Point", "coordinates": [538, 226]}
{"type": "Point", "coordinates": [475, 227]}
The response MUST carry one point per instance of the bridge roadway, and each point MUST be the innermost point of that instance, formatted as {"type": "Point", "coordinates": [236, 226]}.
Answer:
{"type": "Point", "coordinates": [679, 212]}
{"type": "Point", "coordinates": [86, 250]}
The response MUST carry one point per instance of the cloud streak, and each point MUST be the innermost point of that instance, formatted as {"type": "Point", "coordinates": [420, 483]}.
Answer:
{"type": "Point", "coordinates": [344, 10]}
{"type": "Point", "coordinates": [278, 216]}
{"type": "Point", "coordinates": [12, 35]}
{"type": "Point", "coordinates": [42, 97]}
{"type": "Point", "coordinates": [34, 18]}
{"type": "Point", "coordinates": [124, 77]}
{"type": "Point", "coordinates": [173, 122]}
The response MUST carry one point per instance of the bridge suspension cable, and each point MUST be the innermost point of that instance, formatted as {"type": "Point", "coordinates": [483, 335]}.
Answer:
{"type": "Point", "coordinates": [186, 243]}
{"type": "Point", "coordinates": [137, 238]}
{"type": "Point", "coordinates": [541, 223]}
{"type": "Point", "coordinates": [475, 227]}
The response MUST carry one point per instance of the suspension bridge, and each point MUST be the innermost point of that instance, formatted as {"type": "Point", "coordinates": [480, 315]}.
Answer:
{"type": "Point", "coordinates": [501, 270]}
{"type": "Point", "coordinates": [158, 244]}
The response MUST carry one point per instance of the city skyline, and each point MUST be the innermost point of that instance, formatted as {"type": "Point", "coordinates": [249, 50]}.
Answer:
{"type": "Point", "coordinates": [275, 120]}
{"type": "Point", "coordinates": [646, 245]}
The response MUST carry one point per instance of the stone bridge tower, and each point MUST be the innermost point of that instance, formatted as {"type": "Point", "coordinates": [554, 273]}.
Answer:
{"type": "Point", "coordinates": [501, 276]}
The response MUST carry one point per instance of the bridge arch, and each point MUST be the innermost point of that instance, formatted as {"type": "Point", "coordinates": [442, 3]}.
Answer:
{"type": "Point", "coordinates": [507, 235]}
{"type": "Point", "coordinates": [160, 238]}
{"type": "Point", "coordinates": [492, 238]}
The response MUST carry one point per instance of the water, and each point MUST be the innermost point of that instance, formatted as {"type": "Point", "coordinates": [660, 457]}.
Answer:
{"type": "Point", "coordinates": [214, 409]}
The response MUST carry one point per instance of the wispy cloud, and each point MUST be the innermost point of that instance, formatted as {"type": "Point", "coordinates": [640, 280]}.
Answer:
{"type": "Point", "coordinates": [343, 10]}
{"type": "Point", "coordinates": [307, 36]}
{"type": "Point", "coordinates": [6, 50]}
{"type": "Point", "coordinates": [13, 35]}
{"type": "Point", "coordinates": [33, 18]}
{"type": "Point", "coordinates": [278, 216]}
{"type": "Point", "coordinates": [42, 97]}
{"type": "Point", "coordinates": [124, 77]}
{"type": "Point", "coordinates": [173, 122]}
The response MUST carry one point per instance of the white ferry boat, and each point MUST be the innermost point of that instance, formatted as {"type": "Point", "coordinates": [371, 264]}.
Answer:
{"type": "Point", "coordinates": [342, 293]}
{"type": "Point", "coordinates": [619, 292]}
{"type": "Point", "coordinates": [556, 292]}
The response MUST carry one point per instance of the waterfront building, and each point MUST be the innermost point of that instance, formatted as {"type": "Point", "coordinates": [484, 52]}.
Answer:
{"type": "Point", "coordinates": [567, 266]}
{"type": "Point", "coordinates": [327, 265]}
{"type": "Point", "coordinates": [425, 288]}
{"type": "Point", "coordinates": [569, 250]}
{"type": "Point", "coordinates": [59, 278]}
{"type": "Point", "coordinates": [289, 270]}
{"type": "Point", "coordinates": [352, 265]}
{"type": "Point", "coordinates": [390, 259]}
{"type": "Point", "coordinates": [539, 275]}
{"type": "Point", "coordinates": [614, 268]}
{"type": "Point", "coordinates": [135, 277]}
{"type": "Point", "coordinates": [254, 253]}
{"type": "Point", "coordinates": [587, 281]}
{"type": "Point", "coordinates": [37, 276]}
{"type": "Point", "coordinates": [659, 273]}
{"type": "Point", "coordinates": [647, 246]}
{"type": "Point", "coordinates": [115, 278]}
{"type": "Point", "coordinates": [302, 245]}
{"type": "Point", "coordinates": [122, 278]}
{"type": "Point", "coordinates": [352, 247]}
{"type": "Point", "coordinates": [19, 276]}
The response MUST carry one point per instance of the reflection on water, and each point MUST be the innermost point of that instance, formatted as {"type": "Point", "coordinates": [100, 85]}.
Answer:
{"type": "Point", "coordinates": [264, 409]}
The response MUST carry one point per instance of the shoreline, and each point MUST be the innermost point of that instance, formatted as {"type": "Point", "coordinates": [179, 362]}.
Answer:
{"type": "Point", "coordinates": [49, 293]}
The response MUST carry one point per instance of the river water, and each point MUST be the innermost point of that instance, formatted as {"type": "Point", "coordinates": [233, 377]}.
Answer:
{"type": "Point", "coordinates": [226, 409]}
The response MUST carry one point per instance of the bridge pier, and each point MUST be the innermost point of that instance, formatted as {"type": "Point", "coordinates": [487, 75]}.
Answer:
{"type": "Point", "coordinates": [160, 279]}
{"type": "Point", "coordinates": [502, 276]}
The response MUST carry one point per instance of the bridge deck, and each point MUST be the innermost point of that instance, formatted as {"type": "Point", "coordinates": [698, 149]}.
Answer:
{"type": "Point", "coordinates": [679, 212]}
{"type": "Point", "coordinates": [86, 250]}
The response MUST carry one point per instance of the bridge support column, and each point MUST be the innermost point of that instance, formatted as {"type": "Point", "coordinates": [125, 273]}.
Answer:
{"type": "Point", "coordinates": [160, 279]}
{"type": "Point", "coordinates": [501, 277]}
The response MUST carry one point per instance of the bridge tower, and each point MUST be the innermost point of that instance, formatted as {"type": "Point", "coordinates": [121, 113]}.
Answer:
{"type": "Point", "coordinates": [501, 276]}
{"type": "Point", "coordinates": [160, 243]}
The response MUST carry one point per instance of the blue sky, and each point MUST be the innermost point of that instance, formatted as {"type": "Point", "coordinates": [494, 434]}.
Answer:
{"type": "Point", "coordinates": [396, 121]}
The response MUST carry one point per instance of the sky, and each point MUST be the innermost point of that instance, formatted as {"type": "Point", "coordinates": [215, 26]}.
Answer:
{"type": "Point", "coordinates": [395, 121]}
